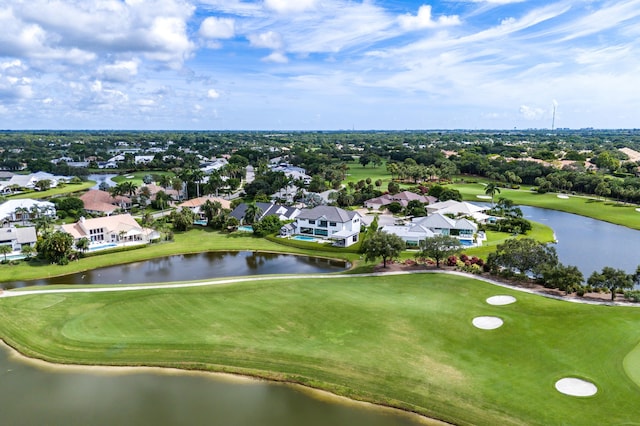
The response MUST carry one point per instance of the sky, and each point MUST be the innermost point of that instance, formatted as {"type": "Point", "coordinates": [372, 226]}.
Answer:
{"type": "Point", "coordinates": [319, 64]}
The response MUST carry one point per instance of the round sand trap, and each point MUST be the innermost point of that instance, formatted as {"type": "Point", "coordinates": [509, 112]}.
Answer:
{"type": "Point", "coordinates": [576, 387]}
{"type": "Point", "coordinates": [487, 323]}
{"type": "Point", "coordinates": [484, 197]}
{"type": "Point", "coordinates": [563, 196]}
{"type": "Point", "coordinates": [638, 209]}
{"type": "Point", "coordinates": [501, 300]}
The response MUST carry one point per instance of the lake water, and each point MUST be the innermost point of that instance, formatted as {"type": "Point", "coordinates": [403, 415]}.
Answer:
{"type": "Point", "coordinates": [197, 266]}
{"type": "Point", "coordinates": [99, 178]}
{"type": "Point", "coordinates": [587, 243]}
{"type": "Point", "coordinates": [55, 395]}
{"type": "Point", "coordinates": [37, 395]}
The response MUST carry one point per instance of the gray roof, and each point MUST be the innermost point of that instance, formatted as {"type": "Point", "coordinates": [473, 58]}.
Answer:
{"type": "Point", "coordinates": [333, 214]}
{"type": "Point", "coordinates": [21, 235]}
{"type": "Point", "coordinates": [267, 210]}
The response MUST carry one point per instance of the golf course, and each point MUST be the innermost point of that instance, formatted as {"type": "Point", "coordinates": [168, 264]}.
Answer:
{"type": "Point", "coordinates": [405, 340]}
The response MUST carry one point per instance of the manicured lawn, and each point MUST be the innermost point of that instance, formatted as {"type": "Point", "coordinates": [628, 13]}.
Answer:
{"type": "Point", "coordinates": [608, 211]}
{"type": "Point", "coordinates": [405, 341]}
{"type": "Point", "coordinates": [64, 190]}
{"type": "Point", "coordinates": [138, 176]}
{"type": "Point", "coordinates": [357, 173]}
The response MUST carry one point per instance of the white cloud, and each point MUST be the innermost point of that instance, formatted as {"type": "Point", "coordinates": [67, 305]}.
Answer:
{"type": "Point", "coordinates": [213, 94]}
{"type": "Point", "coordinates": [532, 113]}
{"type": "Point", "coordinates": [423, 20]}
{"type": "Point", "coordinates": [121, 71]}
{"type": "Point", "coordinates": [287, 6]}
{"type": "Point", "coordinates": [217, 28]}
{"type": "Point", "coordinates": [277, 57]}
{"type": "Point", "coordinates": [267, 40]}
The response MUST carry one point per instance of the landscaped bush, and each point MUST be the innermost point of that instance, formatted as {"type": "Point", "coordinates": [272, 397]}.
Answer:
{"type": "Point", "coordinates": [452, 260]}
{"type": "Point", "coordinates": [632, 295]}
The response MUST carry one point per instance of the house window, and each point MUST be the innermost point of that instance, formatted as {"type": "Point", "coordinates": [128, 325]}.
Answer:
{"type": "Point", "coordinates": [312, 222]}
{"type": "Point", "coordinates": [308, 231]}
{"type": "Point", "coordinates": [322, 224]}
{"type": "Point", "coordinates": [321, 232]}
{"type": "Point", "coordinates": [332, 224]}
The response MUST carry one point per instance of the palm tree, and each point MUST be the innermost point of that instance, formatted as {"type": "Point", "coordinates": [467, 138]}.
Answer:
{"type": "Point", "coordinates": [82, 244]}
{"type": "Point", "coordinates": [28, 251]}
{"type": "Point", "coordinates": [197, 176]}
{"type": "Point", "coordinates": [252, 213]}
{"type": "Point", "coordinates": [162, 200]}
{"type": "Point", "coordinates": [5, 249]}
{"type": "Point", "coordinates": [164, 181]}
{"type": "Point", "coordinates": [129, 188]}
{"type": "Point", "coordinates": [211, 209]}
{"type": "Point", "coordinates": [492, 189]}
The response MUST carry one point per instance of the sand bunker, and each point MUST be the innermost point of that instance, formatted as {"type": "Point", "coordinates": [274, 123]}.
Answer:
{"type": "Point", "coordinates": [501, 300]}
{"type": "Point", "coordinates": [563, 196]}
{"type": "Point", "coordinates": [484, 197]}
{"type": "Point", "coordinates": [576, 387]}
{"type": "Point", "coordinates": [487, 323]}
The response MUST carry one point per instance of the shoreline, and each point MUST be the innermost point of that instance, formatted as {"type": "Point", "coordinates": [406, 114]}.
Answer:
{"type": "Point", "coordinates": [15, 355]}
{"type": "Point", "coordinates": [403, 270]}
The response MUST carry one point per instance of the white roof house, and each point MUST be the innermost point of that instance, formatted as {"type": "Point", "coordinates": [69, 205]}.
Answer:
{"type": "Point", "coordinates": [110, 229]}
{"type": "Point", "coordinates": [15, 210]}
{"type": "Point", "coordinates": [436, 224]}
{"type": "Point", "coordinates": [17, 238]}
{"type": "Point", "coordinates": [330, 222]}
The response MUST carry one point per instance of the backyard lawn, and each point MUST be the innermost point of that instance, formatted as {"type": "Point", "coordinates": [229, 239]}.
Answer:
{"type": "Point", "coordinates": [402, 340]}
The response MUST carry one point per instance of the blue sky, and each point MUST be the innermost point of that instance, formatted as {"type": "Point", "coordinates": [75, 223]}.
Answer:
{"type": "Point", "coordinates": [318, 64]}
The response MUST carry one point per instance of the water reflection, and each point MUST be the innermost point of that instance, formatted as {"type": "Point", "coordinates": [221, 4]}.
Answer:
{"type": "Point", "coordinates": [197, 266]}
{"type": "Point", "coordinates": [62, 396]}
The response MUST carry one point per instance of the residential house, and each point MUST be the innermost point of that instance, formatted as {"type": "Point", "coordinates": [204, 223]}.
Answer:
{"type": "Point", "coordinates": [101, 202]}
{"type": "Point", "coordinates": [425, 227]}
{"type": "Point", "coordinates": [402, 198]}
{"type": "Point", "coordinates": [174, 194]}
{"type": "Point", "coordinates": [30, 180]}
{"type": "Point", "coordinates": [18, 238]}
{"type": "Point", "coordinates": [457, 208]}
{"type": "Point", "coordinates": [267, 209]}
{"type": "Point", "coordinates": [195, 205]}
{"type": "Point", "coordinates": [26, 209]}
{"type": "Point", "coordinates": [330, 222]}
{"type": "Point", "coordinates": [121, 228]}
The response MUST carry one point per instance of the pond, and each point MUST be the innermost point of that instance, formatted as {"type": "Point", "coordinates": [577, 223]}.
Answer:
{"type": "Point", "coordinates": [35, 394]}
{"type": "Point", "coordinates": [587, 243]}
{"type": "Point", "coordinates": [99, 178]}
{"type": "Point", "coordinates": [198, 266]}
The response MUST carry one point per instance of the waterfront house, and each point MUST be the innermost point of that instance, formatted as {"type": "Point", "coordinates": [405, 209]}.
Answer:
{"type": "Point", "coordinates": [121, 228]}
{"type": "Point", "coordinates": [18, 238]}
{"type": "Point", "coordinates": [328, 222]}
{"type": "Point", "coordinates": [101, 202]}
{"type": "Point", "coordinates": [25, 210]}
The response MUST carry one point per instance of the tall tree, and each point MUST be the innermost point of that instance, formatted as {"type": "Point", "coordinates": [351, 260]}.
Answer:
{"type": "Point", "coordinates": [492, 189]}
{"type": "Point", "coordinates": [611, 279]}
{"type": "Point", "coordinates": [252, 213]}
{"type": "Point", "coordinates": [5, 249]}
{"type": "Point", "coordinates": [384, 245]}
{"type": "Point", "coordinates": [439, 247]}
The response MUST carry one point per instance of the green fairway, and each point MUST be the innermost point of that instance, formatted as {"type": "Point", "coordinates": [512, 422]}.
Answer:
{"type": "Point", "coordinates": [138, 176]}
{"type": "Point", "coordinates": [65, 189]}
{"type": "Point", "coordinates": [401, 340]}
{"type": "Point", "coordinates": [608, 211]}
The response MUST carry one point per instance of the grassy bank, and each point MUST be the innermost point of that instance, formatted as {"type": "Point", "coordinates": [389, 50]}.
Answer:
{"type": "Point", "coordinates": [405, 341]}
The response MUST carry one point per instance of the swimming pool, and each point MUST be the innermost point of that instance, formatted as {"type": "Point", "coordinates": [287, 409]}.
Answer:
{"type": "Point", "coordinates": [308, 239]}
{"type": "Point", "coordinates": [102, 246]}
{"type": "Point", "coordinates": [245, 228]}
{"type": "Point", "coordinates": [466, 243]}
{"type": "Point", "coordinates": [200, 222]}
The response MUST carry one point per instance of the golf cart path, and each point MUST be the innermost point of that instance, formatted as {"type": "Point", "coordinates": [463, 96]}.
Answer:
{"type": "Point", "coordinates": [16, 293]}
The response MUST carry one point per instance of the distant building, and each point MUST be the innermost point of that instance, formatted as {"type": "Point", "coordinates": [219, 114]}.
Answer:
{"type": "Point", "coordinates": [24, 210]}
{"type": "Point", "coordinates": [18, 238]}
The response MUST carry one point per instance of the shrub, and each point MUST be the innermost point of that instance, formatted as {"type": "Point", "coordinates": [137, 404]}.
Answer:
{"type": "Point", "coordinates": [452, 260]}
{"type": "Point", "coordinates": [632, 295]}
